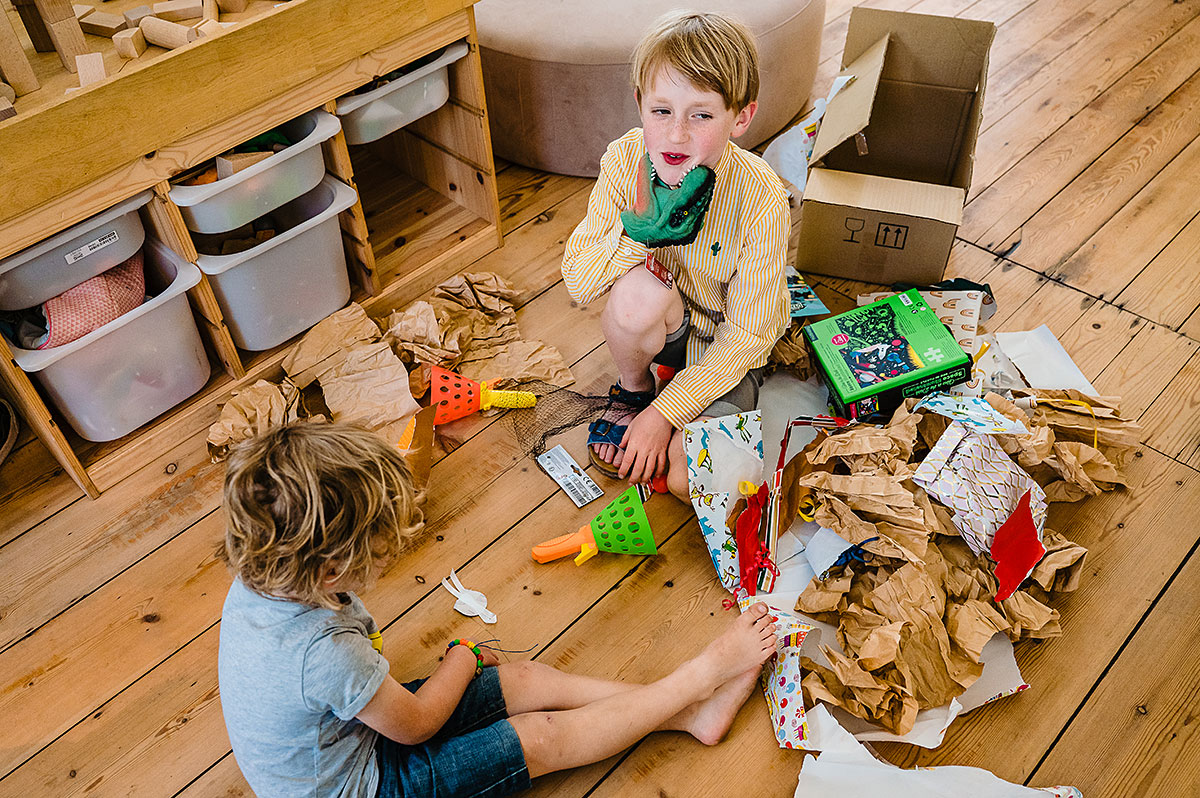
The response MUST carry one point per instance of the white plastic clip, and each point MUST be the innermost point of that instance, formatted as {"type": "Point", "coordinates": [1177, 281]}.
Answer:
{"type": "Point", "coordinates": [470, 602]}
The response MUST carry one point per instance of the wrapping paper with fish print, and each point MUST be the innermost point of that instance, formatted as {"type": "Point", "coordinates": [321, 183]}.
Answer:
{"type": "Point", "coordinates": [721, 452]}
{"type": "Point", "coordinates": [781, 678]}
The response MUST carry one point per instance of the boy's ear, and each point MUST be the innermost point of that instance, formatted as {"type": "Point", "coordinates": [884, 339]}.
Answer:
{"type": "Point", "coordinates": [743, 119]}
{"type": "Point", "coordinates": [329, 574]}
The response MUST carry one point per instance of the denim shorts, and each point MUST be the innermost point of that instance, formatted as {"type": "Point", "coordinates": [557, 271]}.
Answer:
{"type": "Point", "coordinates": [477, 752]}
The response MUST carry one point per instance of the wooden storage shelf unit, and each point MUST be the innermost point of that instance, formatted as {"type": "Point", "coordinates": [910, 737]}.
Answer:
{"type": "Point", "coordinates": [429, 190]}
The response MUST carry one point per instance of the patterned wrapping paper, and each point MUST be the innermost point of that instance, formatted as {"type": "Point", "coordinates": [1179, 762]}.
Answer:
{"type": "Point", "coordinates": [971, 474]}
{"type": "Point", "coordinates": [781, 678]}
{"type": "Point", "coordinates": [721, 452]}
{"type": "Point", "coordinates": [973, 412]}
{"type": "Point", "coordinates": [961, 311]}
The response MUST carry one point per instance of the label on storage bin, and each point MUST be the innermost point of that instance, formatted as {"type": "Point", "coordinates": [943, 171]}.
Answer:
{"type": "Point", "coordinates": [91, 247]}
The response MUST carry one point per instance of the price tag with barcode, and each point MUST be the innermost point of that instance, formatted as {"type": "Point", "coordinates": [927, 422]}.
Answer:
{"type": "Point", "coordinates": [563, 469]}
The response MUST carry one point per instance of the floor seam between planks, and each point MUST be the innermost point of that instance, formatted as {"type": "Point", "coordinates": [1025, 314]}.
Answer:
{"type": "Point", "coordinates": [1113, 661]}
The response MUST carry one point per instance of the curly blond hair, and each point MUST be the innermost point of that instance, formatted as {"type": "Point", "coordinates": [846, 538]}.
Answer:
{"type": "Point", "coordinates": [306, 497]}
{"type": "Point", "coordinates": [712, 51]}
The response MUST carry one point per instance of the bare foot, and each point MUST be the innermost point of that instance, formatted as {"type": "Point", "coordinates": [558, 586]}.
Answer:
{"type": "Point", "coordinates": [746, 644]}
{"type": "Point", "coordinates": [709, 720]}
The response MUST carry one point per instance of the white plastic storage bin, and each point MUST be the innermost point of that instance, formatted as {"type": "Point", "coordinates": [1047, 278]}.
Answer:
{"type": "Point", "coordinates": [138, 366]}
{"type": "Point", "coordinates": [263, 187]}
{"type": "Point", "coordinates": [288, 283]}
{"type": "Point", "coordinates": [78, 253]}
{"type": "Point", "coordinates": [373, 115]}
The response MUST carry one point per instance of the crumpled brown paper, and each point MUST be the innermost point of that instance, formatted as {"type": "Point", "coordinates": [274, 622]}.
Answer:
{"type": "Point", "coordinates": [369, 386]}
{"type": "Point", "coordinates": [252, 411]}
{"type": "Point", "coordinates": [791, 353]}
{"type": "Point", "coordinates": [469, 325]}
{"type": "Point", "coordinates": [324, 346]}
{"type": "Point", "coordinates": [913, 619]}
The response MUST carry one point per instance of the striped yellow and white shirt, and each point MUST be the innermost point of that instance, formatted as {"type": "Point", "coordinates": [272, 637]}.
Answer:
{"type": "Point", "coordinates": [731, 275]}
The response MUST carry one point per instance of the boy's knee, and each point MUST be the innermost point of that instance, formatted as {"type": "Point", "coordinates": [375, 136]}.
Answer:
{"type": "Point", "coordinates": [539, 741]}
{"type": "Point", "coordinates": [523, 672]}
{"type": "Point", "coordinates": [638, 303]}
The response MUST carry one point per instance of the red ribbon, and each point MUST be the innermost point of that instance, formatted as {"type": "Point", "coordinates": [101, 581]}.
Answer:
{"type": "Point", "coordinates": [752, 554]}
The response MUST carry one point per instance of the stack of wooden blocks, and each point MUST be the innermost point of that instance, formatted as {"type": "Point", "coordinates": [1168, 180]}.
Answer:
{"type": "Point", "coordinates": [58, 25]}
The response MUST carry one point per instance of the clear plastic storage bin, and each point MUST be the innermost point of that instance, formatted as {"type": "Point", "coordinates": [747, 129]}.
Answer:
{"type": "Point", "coordinates": [78, 253]}
{"type": "Point", "coordinates": [288, 283]}
{"type": "Point", "coordinates": [374, 114]}
{"type": "Point", "coordinates": [263, 187]}
{"type": "Point", "coordinates": [138, 366]}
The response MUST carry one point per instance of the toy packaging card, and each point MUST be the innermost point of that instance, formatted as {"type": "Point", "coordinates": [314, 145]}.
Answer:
{"type": "Point", "coordinates": [875, 356]}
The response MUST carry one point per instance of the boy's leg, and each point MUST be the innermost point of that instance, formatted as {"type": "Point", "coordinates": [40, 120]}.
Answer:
{"type": "Point", "coordinates": [558, 740]}
{"type": "Point", "coordinates": [535, 687]}
{"type": "Point", "coordinates": [639, 315]}
{"type": "Point", "coordinates": [742, 399]}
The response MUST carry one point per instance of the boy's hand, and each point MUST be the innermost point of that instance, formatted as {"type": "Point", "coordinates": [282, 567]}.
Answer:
{"type": "Point", "coordinates": [489, 657]}
{"type": "Point", "coordinates": [645, 446]}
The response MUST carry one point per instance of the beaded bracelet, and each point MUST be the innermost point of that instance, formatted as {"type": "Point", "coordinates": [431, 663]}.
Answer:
{"type": "Point", "coordinates": [474, 648]}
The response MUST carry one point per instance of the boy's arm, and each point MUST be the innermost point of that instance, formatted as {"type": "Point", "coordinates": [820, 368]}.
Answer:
{"type": "Point", "coordinates": [599, 252]}
{"type": "Point", "coordinates": [756, 314]}
{"type": "Point", "coordinates": [412, 718]}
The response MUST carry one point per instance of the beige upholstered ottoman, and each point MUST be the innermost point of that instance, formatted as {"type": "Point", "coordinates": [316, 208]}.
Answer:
{"type": "Point", "coordinates": [556, 72]}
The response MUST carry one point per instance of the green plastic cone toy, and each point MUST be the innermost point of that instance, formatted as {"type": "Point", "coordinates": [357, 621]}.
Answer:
{"type": "Point", "coordinates": [620, 528]}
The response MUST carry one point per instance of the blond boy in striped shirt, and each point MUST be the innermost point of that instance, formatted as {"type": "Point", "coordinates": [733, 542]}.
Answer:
{"type": "Point", "coordinates": [678, 195]}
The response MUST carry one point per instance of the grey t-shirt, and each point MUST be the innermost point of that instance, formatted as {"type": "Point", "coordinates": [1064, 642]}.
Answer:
{"type": "Point", "coordinates": [292, 678]}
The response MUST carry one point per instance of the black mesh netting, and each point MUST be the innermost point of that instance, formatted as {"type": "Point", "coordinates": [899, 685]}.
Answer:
{"type": "Point", "coordinates": [557, 410]}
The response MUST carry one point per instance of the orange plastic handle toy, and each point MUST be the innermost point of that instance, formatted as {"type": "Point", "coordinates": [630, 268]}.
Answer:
{"type": "Point", "coordinates": [564, 545]}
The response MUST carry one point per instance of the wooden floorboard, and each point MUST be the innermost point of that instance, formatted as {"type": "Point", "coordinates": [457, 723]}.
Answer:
{"type": "Point", "coordinates": [1084, 216]}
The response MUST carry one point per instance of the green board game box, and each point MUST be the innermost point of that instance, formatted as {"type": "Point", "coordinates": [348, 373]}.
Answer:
{"type": "Point", "coordinates": [875, 356]}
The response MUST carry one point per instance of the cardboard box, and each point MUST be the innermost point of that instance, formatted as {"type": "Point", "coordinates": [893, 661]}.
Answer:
{"type": "Point", "coordinates": [893, 158]}
{"type": "Point", "coordinates": [875, 356]}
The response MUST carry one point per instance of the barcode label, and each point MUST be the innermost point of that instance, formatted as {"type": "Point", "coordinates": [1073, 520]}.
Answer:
{"type": "Point", "coordinates": [91, 247]}
{"type": "Point", "coordinates": [563, 469]}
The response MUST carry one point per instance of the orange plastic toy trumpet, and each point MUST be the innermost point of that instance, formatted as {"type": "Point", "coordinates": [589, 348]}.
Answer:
{"type": "Point", "coordinates": [620, 528]}
{"type": "Point", "coordinates": [456, 396]}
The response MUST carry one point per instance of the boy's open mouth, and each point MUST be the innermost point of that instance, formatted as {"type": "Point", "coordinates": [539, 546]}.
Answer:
{"type": "Point", "coordinates": [674, 158]}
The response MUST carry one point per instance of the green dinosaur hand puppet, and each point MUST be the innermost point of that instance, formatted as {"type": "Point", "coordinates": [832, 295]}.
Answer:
{"type": "Point", "coordinates": [665, 217]}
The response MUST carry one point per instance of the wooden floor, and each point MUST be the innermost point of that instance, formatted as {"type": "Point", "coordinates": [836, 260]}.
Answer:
{"type": "Point", "coordinates": [1083, 216]}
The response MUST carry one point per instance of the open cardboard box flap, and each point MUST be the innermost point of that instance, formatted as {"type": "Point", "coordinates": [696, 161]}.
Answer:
{"type": "Point", "coordinates": [849, 112]}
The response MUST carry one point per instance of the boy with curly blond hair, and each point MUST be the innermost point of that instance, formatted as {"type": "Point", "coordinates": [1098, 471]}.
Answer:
{"type": "Point", "coordinates": [314, 513]}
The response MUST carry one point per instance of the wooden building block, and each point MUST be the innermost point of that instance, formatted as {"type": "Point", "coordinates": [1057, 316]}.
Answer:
{"type": "Point", "coordinates": [232, 6]}
{"type": "Point", "coordinates": [6, 109]}
{"type": "Point", "coordinates": [130, 43]}
{"type": "Point", "coordinates": [166, 34]}
{"type": "Point", "coordinates": [14, 64]}
{"type": "Point", "coordinates": [35, 27]}
{"type": "Point", "coordinates": [134, 15]}
{"type": "Point", "coordinates": [102, 23]}
{"type": "Point", "coordinates": [234, 162]}
{"type": "Point", "coordinates": [82, 11]}
{"type": "Point", "coordinates": [211, 10]}
{"type": "Point", "coordinates": [55, 10]}
{"type": "Point", "coordinates": [208, 28]}
{"type": "Point", "coordinates": [68, 41]}
{"type": "Point", "coordinates": [179, 10]}
{"type": "Point", "coordinates": [90, 67]}
{"type": "Point", "coordinates": [8, 93]}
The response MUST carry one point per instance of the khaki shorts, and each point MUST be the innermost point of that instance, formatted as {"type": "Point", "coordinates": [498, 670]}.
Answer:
{"type": "Point", "coordinates": [742, 398]}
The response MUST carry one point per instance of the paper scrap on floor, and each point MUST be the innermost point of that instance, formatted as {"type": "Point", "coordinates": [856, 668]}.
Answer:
{"type": "Point", "coordinates": [805, 301]}
{"type": "Point", "coordinates": [721, 453]}
{"type": "Point", "coordinates": [781, 677]}
{"type": "Point", "coordinates": [845, 767]}
{"type": "Point", "coordinates": [1042, 360]}
{"type": "Point", "coordinates": [972, 412]}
